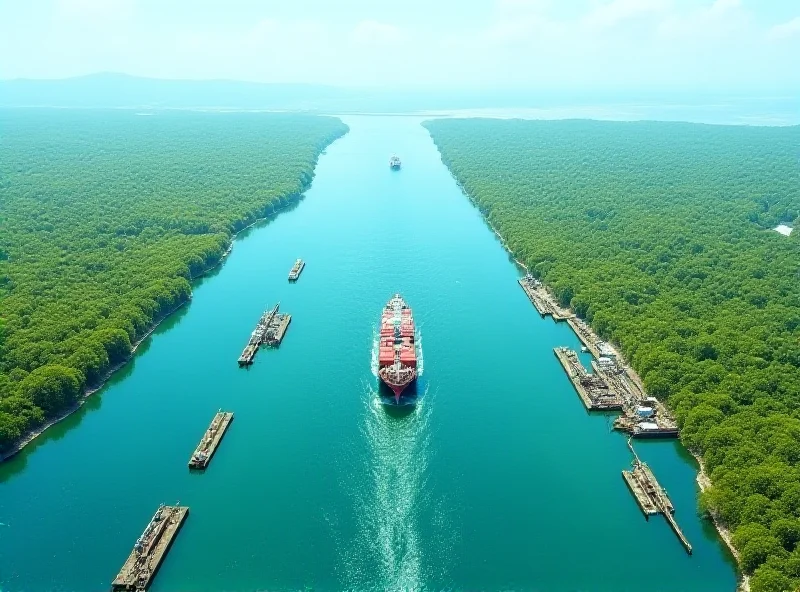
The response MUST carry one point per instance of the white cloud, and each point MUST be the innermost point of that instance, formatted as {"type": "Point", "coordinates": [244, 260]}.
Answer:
{"type": "Point", "coordinates": [785, 30]}
{"type": "Point", "coordinates": [519, 43]}
{"type": "Point", "coordinates": [374, 33]}
{"type": "Point", "coordinates": [604, 16]}
{"type": "Point", "coordinates": [95, 11]}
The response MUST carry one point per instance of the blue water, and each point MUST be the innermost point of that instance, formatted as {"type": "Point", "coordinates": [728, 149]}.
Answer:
{"type": "Point", "coordinates": [497, 480]}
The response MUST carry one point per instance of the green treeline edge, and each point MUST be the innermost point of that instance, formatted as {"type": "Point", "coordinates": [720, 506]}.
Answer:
{"type": "Point", "coordinates": [107, 216]}
{"type": "Point", "coordinates": [659, 235]}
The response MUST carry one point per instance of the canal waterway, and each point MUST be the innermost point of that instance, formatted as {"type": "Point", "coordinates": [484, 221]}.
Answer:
{"type": "Point", "coordinates": [497, 480]}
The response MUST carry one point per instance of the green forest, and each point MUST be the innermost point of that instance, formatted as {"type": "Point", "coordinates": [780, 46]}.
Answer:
{"type": "Point", "coordinates": [660, 236]}
{"type": "Point", "coordinates": [105, 219]}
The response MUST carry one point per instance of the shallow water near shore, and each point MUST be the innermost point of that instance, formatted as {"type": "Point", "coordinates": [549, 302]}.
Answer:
{"type": "Point", "coordinates": [497, 480]}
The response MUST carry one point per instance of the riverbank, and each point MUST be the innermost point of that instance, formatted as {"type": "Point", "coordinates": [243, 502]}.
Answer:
{"type": "Point", "coordinates": [703, 480]}
{"type": "Point", "coordinates": [269, 211]}
{"type": "Point", "coordinates": [31, 435]}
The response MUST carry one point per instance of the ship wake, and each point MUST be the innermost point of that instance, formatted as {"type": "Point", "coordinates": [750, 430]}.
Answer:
{"type": "Point", "coordinates": [386, 554]}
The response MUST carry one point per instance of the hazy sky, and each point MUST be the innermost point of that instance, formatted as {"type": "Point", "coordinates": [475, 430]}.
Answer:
{"type": "Point", "coordinates": [561, 44]}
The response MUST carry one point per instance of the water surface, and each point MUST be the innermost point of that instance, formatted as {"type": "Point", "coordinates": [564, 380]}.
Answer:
{"type": "Point", "coordinates": [498, 480]}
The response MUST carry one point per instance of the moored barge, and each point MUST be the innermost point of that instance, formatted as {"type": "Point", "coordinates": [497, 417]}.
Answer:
{"type": "Point", "coordinates": [296, 270]}
{"type": "Point", "coordinates": [211, 439]}
{"type": "Point", "coordinates": [150, 549]}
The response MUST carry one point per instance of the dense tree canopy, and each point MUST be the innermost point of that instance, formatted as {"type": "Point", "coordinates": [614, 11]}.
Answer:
{"type": "Point", "coordinates": [659, 234]}
{"type": "Point", "coordinates": [105, 218]}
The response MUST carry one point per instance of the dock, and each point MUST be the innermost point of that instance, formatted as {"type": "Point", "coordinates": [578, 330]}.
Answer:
{"type": "Point", "coordinates": [296, 270]}
{"type": "Point", "coordinates": [150, 549]}
{"type": "Point", "coordinates": [270, 330]}
{"type": "Point", "coordinates": [542, 301]}
{"type": "Point", "coordinates": [593, 390]}
{"type": "Point", "coordinates": [651, 497]}
{"type": "Point", "coordinates": [211, 439]}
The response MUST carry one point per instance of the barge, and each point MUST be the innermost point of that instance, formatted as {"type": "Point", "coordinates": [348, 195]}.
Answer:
{"type": "Point", "coordinates": [270, 330]}
{"type": "Point", "coordinates": [150, 549]}
{"type": "Point", "coordinates": [593, 390]}
{"type": "Point", "coordinates": [651, 497]}
{"type": "Point", "coordinates": [211, 439]}
{"type": "Point", "coordinates": [296, 270]}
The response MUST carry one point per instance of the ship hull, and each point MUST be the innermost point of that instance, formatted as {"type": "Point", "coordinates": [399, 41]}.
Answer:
{"type": "Point", "coordinates": [397, 355]}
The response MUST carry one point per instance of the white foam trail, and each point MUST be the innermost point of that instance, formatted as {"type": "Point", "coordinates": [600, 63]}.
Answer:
{"type": "Point", "coordinates": [420, 359]}
{"type": "Point", "coordinates": [388, 509]}
{"type": "Point", "coordinates": [375, 351]}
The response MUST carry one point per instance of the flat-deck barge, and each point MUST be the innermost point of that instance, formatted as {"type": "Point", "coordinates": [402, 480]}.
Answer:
{"type": "Point", "coordinates": [591, 388]}
{"type": "Point", "coordinates": [296, 270]}
{"type": "Point", "coordinates": [651, 497]}
{"type": "Point", "coordinates": [270, 330]}
{"type": "Point", "coordinates": [211, 439]}
{"type": "Point", "coordinates": [150, 549]}
{"type": "Point", "coordinates": [542, 301]}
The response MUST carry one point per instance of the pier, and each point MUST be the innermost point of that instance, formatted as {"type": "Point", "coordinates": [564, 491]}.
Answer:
{"type": "Point", "coordinates": [542, 301]}
{"type": "Point", "coordinates": [642, 416]}
{"type": "Point", "coordinates": [593, 390]}
{"type": "Point", "coordinates": [270, 330]}
{"type": "Point", "coordinates": [296, 270]}
{"type": "Point", "coordinates": [150, 549]}
{"type": "Point", "coordinates": [211, 439]}
{"type": "Point", "coordinates": [651, 497]}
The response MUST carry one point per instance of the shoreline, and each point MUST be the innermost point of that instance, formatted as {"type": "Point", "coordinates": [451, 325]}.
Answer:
{"type": "Point", "coordinates": [30, 436]}
{"type": "Point", "coordinates": [88, 391]}
{"type": "Point", "coordinates": [702, 478]}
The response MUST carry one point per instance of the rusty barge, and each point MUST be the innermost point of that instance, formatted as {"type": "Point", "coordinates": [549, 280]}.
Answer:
{"type": "Point", "coordinates": [269, 331]}
{"type": "Point", "coordinates": [211, 439]}
{"type": "Point", "coordinates": [150, 549]}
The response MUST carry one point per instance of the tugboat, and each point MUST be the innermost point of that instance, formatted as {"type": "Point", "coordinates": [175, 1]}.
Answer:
{"type": "Point", "coordinates": [394, 163]}
{"type": "Point", "coordinates": [397, 356]}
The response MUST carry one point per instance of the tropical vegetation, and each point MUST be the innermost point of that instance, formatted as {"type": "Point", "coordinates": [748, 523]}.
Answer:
{"type": "Point", "coordinates": [105, 218]}
{"type": "Point", "coordinates": [660, 236]}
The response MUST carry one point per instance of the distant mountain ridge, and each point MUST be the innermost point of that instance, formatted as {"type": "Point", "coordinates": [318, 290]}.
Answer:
{"type": "Point", "coordinates": [113, 90]}
{"type": "Point", "coordinates": [121, 90]}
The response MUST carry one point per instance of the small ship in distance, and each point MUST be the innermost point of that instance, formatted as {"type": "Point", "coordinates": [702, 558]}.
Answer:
{"type": "Point", "coordinates": [397, 355]}
{"type": "Point", "coordinates": [394, 163]}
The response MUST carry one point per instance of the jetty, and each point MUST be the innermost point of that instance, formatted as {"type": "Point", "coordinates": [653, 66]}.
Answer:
{"type": "Point", "coordinates": [211, 439]}
{"type": "Point", "coordinates": [593, 390]}
{"type": "Point", "coordinates": [651, 497]}
{"type": "Point", "coordinates": [541, 299]}
{"type": "Point", "coordinates": [642, 416]}
{"type": "Point", "coordinates": [270, 330]}
{"type": "Point", "coordinates": [296, 270]}
{"type": "Point", "coordinates": [150, 549]}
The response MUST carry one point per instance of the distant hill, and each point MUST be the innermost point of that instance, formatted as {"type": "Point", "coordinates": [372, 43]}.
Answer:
{"type": "Point", "coordinates": [112, 90]}
{"type": "Point", "coordinates": [120, 90]}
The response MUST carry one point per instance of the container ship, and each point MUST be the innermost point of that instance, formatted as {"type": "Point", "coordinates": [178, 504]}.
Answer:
{"type": "Point", "coordinates": [397, 355]}
{"type": "Point", "coordinates": [394, 163]}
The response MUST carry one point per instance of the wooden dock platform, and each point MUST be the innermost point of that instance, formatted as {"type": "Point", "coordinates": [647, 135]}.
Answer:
{"type": "Point", "coordinates": [541, 300]}
{"type": "Point", "coordinates": [150, 549]}
{"type": "Point", "coordinates": [591, 388]}
{"type": "Point", "coordinates": [296, 270]}
{"type": "Point", "coordinates": [651, 497]}
{"type": "Point", "coordinates": [211, 439]}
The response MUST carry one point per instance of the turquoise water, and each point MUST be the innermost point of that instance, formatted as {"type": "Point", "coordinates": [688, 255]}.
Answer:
{"type": "Point", "coordinates": [497, 480]}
